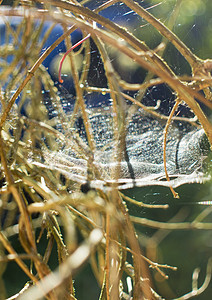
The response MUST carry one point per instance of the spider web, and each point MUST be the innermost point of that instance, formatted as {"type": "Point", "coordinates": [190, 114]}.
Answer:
{"type": "Point", "coordinates": [141, 162]}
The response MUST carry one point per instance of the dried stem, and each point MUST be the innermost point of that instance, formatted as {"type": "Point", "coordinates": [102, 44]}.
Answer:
{"type": "Point", "coordinates": [177, 102]}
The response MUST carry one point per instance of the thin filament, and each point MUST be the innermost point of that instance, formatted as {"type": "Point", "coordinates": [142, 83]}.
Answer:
{"type": "Point", "coordinates": [67, 52]}
{"type": "Point", "coordinates": [175, 194]}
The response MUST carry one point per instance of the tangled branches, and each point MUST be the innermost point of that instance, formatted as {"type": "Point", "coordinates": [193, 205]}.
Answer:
{"type": "Point", "coordinates": [63, 169]}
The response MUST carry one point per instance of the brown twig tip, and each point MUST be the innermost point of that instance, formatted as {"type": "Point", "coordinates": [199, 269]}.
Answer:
{"type": "Point", "coordinates": [208, 65]}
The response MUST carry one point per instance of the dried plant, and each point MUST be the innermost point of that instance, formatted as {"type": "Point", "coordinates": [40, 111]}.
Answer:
{"type": "Point", "coordinates": [63, 171]}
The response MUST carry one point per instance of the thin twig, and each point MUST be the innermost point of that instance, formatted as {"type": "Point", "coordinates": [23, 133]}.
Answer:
{"type": "Point", "coordinates": [177, 102]}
